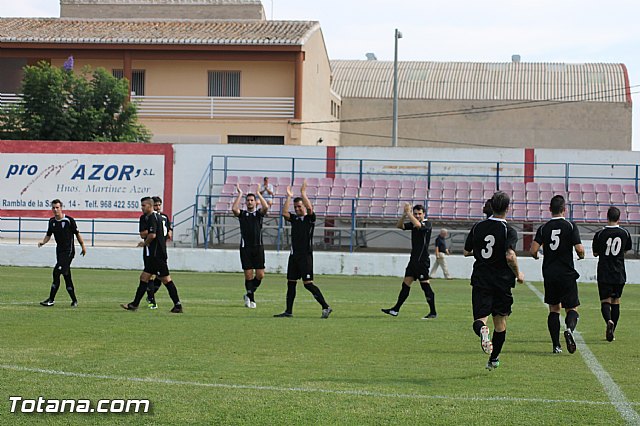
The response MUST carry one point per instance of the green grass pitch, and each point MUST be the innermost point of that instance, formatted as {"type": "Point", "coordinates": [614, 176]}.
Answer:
{"type": "Point", "coordinates": [221, 363]}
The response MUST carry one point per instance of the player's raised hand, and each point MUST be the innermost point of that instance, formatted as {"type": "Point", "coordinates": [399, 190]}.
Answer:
{"type": "Point", "coordinates": [303, 188]}
{"type": "Point", "coordinates": [258, 188]}
{"type": "Point", "coordinates": [238, 188]}
{"type": "Point", "coordinates": [289, 192]}
{"type": "Point", "coordinates": [407, 208]}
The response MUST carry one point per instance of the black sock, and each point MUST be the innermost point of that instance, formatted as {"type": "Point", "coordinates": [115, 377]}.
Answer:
{"type": "Point", "coordinates": [291, 296]}
{"type": "Point", "coordinates": [248, 285]}
{"type": "Point", "coordinates": [55, 284]}
{"type": "Point", "coordinates": [256, 283]}
{"type": "Point", "coordinates": [157, 283]}
{"type": "Point", "coordinates": [571, 320]}
{"type": "Point", "coordinates": [477, 326]}
{"type": "Point", "coordinates": [173, 292]}
{"type": "Point", "coordinates": [140, 291]}
{"type": "Point", "coordinates": [317, 294]}
{"type": "Point", "coordinates": [404, 293]}
{"type": "Point", "coordinates": [151, 292]}
{"type": "Point", "coordinates": [615, 313]}
{"type": "Point", "coordinates": [70, 289]}
{"type": "Point", "coordinates": [605, 309]}
{"type": "Point", "coordinates": [497, 339]}
{"type": "Point", "coordinates": [553, 323]}
{"type": "Point", "coordinates": [431, 297]}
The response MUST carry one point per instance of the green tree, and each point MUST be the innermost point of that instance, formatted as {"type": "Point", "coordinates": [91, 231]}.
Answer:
{"type": "Point", "coordinates": [58, 104]}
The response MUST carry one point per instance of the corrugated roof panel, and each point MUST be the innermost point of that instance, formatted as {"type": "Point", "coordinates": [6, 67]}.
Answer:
{"type": "Point", "coordinates": [597, 82]}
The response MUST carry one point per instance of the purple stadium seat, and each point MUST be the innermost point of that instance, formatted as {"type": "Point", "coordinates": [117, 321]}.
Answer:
{"type": "Point", "coordinates": [222, 207]}
{"type": "Point", "coordinates": [476, 194]}
{"type": "Point", "coordinates": [284, 181]}
{"type": "Point", "coordinates": [366, 192]}
{"type": "Point", "coordinates": [603, 208]}
{"type": "Point", "coordinates": [518, 196]}
{"type": "Point", "coordinates": [545, 215]}
{"type": "Point", "coordinates": [633, 208]}
{"type": "Point", "coordinates": [487, 194]}
{"type": "Point", "coordinates": [617, 198]}
{"type": "Point", "coordinates": [345, 211]}
{"type": "Point", "coordinates": [296, 190]}
{"type": "Point", "coordinates": [325, 181]}
{"type": "Point", "coordinates": [244, 180]}
{"type": "Point", "coordinates": [628, 189]}
{"type": "Point", "coordinates": [393, 193]}
{"type": "Point", "coordinates": [255, 180]}
{"type": "Point", "coordinates": [545, 187]}
{"type": "Point", "coordinates": [335, 202]}
{"type": "Point", "coordinates": [378, 202]}
{"type": "Point", "coordinates": [380, 183]}
{"type": "Point", "coordinates": [631, 198]}
{"type": "Point", "coordinates": [350, 192]}
{"type": "Point", "coordinates": [324, 191]}
{"type": "Point", "coordinates": [462, 184]}
{"type": "Point", "coordinates": [339, 182]}
{"type": "Point", "coordinates": [313, 181]}
{"type": "Point", "coordinates": [367, 183]}
{"type": "Point", "coordinates": [623, 215]}
{"type": "Point", "coordinates": [393, 183]}
{"type": "Point", "coordinates": [475, 186]}
{"type": "Point", "coordinates": [435, 194]}
{"type": "Point", "coordinates": [405, 193]}
{"type": "Point", "coordinates": [333, 210]}
{"type": "Point", "coordinates": [615, 188]}
{"type": "Point", "coordinates": [531, 186]}
{"type": "Point", "coordinates": [533, 196]}
{"type": "Point", "coordinates": [353, 183]}
{"type": "Point", "coordinates": [460, 205]}
{"type": "Point", "coordinates": [407, 183]}
{"type": "Point", "coordinates": [228, 189]}
{"type": "Point", "coordinates": [518, 214]}
{"type": "Point", "coordinates": [312, 191]}
{"type": "Point", "coordinates": [421, 184]}
{"type": "Point", "coordinates": [489, 186]}
{"type": "Point", "coordinates": [633, 218]}
{"type": "Point", "coordinates": [589, 197]}
{"type": "Point", "coordinates": [533, 215]}
{"type": "Point", "coordinates": [434, 205]}
{"type": "Point", "coordinates": [391, 211]}
{"type": "Point", "coordinates": [603, 198]}
{"type": "Point", "coordinates": [376, 211]}
{"type": "Point", "coordinates": [546, 196]}
{"type": "Point", "coordinates": [558, 188]}
{"type": "Point", "coordinates": [379, 193]}
{"type": "Point", "coordinates": [362, 211]}
{"type": "Point", "coordinates": [575, 187]}
{"type": "Point", "coordinates": [449, 184]}
{"type": "Point", "coordinates": [462, 194]}
{"type": "Point", "coordinates": [461, 213]}
{"type": "Point", "coordinates": [297, 181]}
{"type": "Point", "coordinates": [420, 194]}
{"type": "Point", "coordinates": [337, 191]}
{"type": "Point", "coordinates": [232, 180]}
{"type": "Point", "coordinates": [603, 216]}
{"type": "Point", "coordinates": [518, 186]}
{"type": "Point", "coordinates": [448, 194]}
{"type": "Point", "coordinates": [436, 184]}
{"type": "Point", "coordinates": [448, 213]}
{"type": "Point", "coordinates": [601, 188]}
{"type": "Point", "coordinates": [575, 197]}
{"type": "Point", "coordinates": [590, 207]}
{"type": "Point", "coordinates": [506, 186]}
{"type": "Point", "coordinates": [587, 187]}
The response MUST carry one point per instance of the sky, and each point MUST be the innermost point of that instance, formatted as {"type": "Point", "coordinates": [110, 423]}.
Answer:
{"type": "Point", "coordinates": [569, 31]}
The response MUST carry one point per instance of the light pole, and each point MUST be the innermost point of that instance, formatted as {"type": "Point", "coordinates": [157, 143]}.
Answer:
{"type": "Point", "coordinates": [394, 129]}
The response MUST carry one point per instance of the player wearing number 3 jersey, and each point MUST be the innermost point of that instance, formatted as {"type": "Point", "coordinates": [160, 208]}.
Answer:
{"type": "Point", "coordinates": [492, 242]}
{"type": "Point", "coordinates": [558, 238]}
{"type": "Point", "coordinates": [610, 244]}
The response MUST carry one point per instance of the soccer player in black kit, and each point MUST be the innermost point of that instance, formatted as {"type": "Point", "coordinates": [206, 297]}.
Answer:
{"type": "Point", "coordinates": [64, 229]}
{"type": "Point", "coordinates": [418, 267]}
{"type": "Point", "coordinates": [300, 265]}
{"type": "Point", "coordinates": [154, 256]}
{"type": "Point", "coordinates": [609, 245]}
{"type": "Point", "coordinates": [492, 242]}
{"type": "Point", "coordinates": [251, 247]}
{"type": "Point", "coordinates": [559, 237]}
{"type": "Point", "coordinates": [167, 230]}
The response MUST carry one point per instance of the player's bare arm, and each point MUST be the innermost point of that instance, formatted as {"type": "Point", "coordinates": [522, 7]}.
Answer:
{"type": "Point", "coordinates": [81, 241]}
{"type": "Point", "coordinates": [400, 224]}
{"type": "Point", "coordinates": [579, 250]}
{"type": "Point", "coordinates": [150, 237]}
{"type": "Point", "coordinates": [535, 247]}
{"type": "Point", "coordinates": [236, 203]}
{"type": "Point", "coordinates": [44, 241]}
{"type": "Point", "coordinates": [512, 261]}
{"type": "Point", "coordinates": [305, 199]}
{"type": "Point", "coordinates": [263, 202]}
{"type": "Point", "coordinates": [287, 202]}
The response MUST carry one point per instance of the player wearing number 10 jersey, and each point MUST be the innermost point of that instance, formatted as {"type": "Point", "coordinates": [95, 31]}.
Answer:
{"type": "Point", "coordinates": [609, 244]}
{"type": "Point", "coordinates": [559, 237]}
{"type": "Point", "coordinates": [492, 242]}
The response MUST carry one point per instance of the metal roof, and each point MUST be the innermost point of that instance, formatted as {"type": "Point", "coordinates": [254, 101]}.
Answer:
{"type": "Point", "coordinates": [159, 31]}
{"type": "Point", "coordinates": [482, 81]}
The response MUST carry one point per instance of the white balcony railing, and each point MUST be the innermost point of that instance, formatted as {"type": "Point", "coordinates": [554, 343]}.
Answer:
{"type": "Point", "coordinates": [199, 106]}
{"type": "Point", "coordinates": [213, 107]}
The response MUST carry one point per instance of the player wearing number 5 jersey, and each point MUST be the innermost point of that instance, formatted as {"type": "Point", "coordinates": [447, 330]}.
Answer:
{"type": "Point", "coordinates": [610, 244]}
{"type": "Point", "coordinates": [492, 242]}
{"type": "Point", "coordinates": [559, 237]}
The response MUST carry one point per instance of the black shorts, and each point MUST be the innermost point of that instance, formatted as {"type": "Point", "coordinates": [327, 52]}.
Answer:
{"type": "Point", "coordinates": [156, 266]}
{"type": "Point", "coordinates": [610, 290]}
{"type": "Point", "coordinates": [252, 257]}
{"type": "Point", "coordinates": [63, 262]}
{"type": "Point", "coordinates": [300, 267]}
{"type": "Point", "coordinates": [491, 300]}
{"type": "Point", "coordinates": [561, 291]}
{"type": "Point", "coordinates": [417, 270]}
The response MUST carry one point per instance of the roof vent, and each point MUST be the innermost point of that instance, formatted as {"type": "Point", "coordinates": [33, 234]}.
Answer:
{"type": "Point", "coordinates": [515, 59]}
{"type": "Point", "coordinates": [371, 56]}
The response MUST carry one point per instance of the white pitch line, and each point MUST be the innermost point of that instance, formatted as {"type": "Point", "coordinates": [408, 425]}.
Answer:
{"type": "Point", "coordinates": [611, 388]}
{"type": "Point", "coordinates": [362, 393]}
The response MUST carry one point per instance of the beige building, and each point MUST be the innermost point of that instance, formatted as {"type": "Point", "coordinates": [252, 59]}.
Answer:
{"type": "Point", "coordinates": [201, 71]}
{"type": "Point", "coordinates": [463, 104]}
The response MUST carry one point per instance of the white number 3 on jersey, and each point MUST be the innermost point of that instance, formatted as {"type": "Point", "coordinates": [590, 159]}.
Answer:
{"type": "Point", "coordinates": [488, 251]}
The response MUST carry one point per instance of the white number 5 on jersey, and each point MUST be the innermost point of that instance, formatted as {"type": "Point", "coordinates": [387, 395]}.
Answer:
{"type": "Point", "coordinates": [555, 239]}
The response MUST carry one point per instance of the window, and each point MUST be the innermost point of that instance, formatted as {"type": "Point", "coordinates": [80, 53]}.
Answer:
{"type": "Point", "coordinates": [137, 80]}
{"type": "Point", "coordinates": [224, 83]}
{"type": "Point", "coordinates": [258, 140]}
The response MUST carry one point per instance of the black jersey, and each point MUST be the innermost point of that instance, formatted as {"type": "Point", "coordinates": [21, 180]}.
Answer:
{"type": "Point", "coordinates": [250, 228]}
{"type": "Point", "coordinates": [610, 243]}
{"type": "Point", "coordinates": [420, 238]}
{"type": "Point", "coordinates": [152, 223]}
{"type": "Point", "coordinates": [489, 241]}
{"type": "Point", "coordinates": [64, 231]}
{"type": "Point", "coordinates": [558, 237]}
{"type": "Point", "coordinates": [302, 228]}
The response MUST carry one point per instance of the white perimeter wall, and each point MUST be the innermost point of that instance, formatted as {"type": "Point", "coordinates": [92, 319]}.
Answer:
{"type": "Point", "coordinates": [199, 260]}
